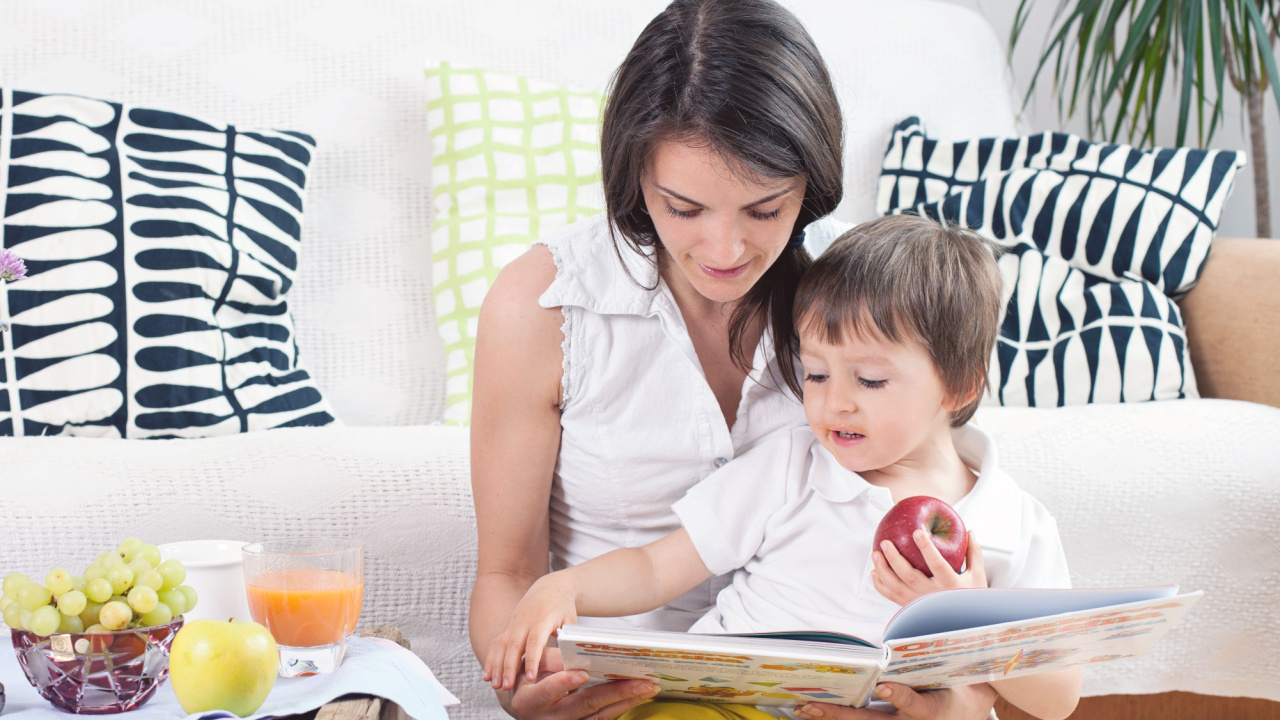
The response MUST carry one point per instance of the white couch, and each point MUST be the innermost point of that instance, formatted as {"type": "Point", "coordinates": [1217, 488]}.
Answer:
{"type": "Point", "coordinates": [1177, 492]}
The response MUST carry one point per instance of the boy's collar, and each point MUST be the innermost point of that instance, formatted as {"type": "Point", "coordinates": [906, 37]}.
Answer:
{"type": "Point", "coordinates": [993, 508]}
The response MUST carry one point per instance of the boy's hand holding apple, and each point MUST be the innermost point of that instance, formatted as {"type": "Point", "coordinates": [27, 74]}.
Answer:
{"type": "Point", "coordinates": [896, 579]}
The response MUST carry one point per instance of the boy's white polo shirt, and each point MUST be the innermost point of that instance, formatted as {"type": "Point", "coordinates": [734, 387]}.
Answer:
{"type": "Point", "coordinates": [798, 527]}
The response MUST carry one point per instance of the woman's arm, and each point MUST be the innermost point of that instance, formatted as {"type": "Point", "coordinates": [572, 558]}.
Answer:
{"type": "Point", "coordinates": [515, 439]}
{"type": "Point", "coordinates": [622, 582]}
{"type": "Point", "coordinates": [1049, 696]}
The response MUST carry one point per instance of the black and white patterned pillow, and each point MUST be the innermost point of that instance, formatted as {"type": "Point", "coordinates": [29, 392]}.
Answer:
{"type": "Point", "coordinates": [160, 249]}
{"type": "Point", "coordinates": [1100, 238]}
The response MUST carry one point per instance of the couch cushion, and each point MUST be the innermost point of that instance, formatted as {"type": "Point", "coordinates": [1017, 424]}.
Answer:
{"type": "Point", "coordinates": [160, 251]}
{"type": "Point", "coordinates": [1113, 211]}
{"type": "Point", "coordinates": [512, 160]}
{"type": "Point", "coordinates": [1098, 236]}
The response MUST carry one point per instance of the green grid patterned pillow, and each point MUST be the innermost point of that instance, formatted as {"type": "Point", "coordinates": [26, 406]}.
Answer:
{"type": "Point", "coordinates": [512, 159]}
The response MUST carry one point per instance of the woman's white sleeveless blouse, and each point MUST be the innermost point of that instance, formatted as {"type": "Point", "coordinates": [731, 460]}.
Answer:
{"type": "Point", "coordinates": [639, 423]}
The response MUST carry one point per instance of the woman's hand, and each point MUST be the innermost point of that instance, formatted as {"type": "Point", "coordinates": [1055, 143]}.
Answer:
{"type": "Point", "coordinates": [965, 702]}
{"type": "Point", "coordinates": [897, 580]}
{"type": "Point", "coordinates": [548, 606]}
{"type": "Point", "coordinates": [555, 695]}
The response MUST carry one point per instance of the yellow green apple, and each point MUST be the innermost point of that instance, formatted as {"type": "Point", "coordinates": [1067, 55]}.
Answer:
{"type": "Point", "coordinates": [216, 665]}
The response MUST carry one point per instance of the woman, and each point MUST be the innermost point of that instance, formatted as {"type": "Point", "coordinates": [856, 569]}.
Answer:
{"type": "Point", "coordinates": [632, 354]}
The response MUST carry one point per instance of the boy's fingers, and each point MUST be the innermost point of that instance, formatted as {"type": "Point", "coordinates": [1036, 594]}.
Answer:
{"type": "Point", "coordinates": [906, 573]}
{"type": "Point", "coordinates": [974, 559]}
{"type": "Point", "coordinates": [932, 556]}
{"type": "Point", "coordinates": [511, 664]}
{"type": "Point", "coordinates": [533, 647]}
{"type": "Point", "coordinates": [887, 583]}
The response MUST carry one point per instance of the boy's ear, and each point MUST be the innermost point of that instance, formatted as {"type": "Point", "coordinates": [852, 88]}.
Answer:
{"type": "Point", "coordinates": [954, 402]}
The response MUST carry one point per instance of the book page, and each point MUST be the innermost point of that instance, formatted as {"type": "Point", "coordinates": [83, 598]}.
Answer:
{"type": "Point", "coordinates": [762, 675]}
{"type": "Point", "coordinates": [959, 609]}
{"type": "Point", "coordinates": [1035, 645]}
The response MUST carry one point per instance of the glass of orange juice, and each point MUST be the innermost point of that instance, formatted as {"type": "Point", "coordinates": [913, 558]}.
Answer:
{"type": "Point", "coordinates": [307, 592]}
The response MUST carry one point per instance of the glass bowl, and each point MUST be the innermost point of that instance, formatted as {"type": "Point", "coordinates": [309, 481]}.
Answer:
{"type": "Point", "coordinates": [100, 673]}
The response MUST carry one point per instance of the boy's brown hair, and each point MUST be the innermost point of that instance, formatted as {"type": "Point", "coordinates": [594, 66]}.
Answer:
{"type": "Point", "coordinates": [914, 279]}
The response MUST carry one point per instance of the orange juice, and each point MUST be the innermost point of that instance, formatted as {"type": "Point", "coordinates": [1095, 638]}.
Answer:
{"type": "Point", "coordinates": [306, 608]}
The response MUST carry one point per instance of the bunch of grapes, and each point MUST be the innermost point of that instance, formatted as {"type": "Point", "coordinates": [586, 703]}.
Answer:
{"type": "Point", "coordinates": [129, 587]}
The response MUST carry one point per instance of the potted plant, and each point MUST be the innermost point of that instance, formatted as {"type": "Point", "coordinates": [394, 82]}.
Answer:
{"type": "Point", "coordinates": [1111, 59]}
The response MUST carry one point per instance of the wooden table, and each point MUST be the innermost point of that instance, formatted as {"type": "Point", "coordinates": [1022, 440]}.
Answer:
{"type": "Point", "coordinates": [360, 707]}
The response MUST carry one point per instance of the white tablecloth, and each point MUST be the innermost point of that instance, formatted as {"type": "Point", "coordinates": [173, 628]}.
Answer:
{"type": "Point", "coordinates": [371, 667]}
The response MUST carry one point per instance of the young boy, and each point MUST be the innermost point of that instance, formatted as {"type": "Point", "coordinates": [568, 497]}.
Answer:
{"type": "Point", "coordinates": [896, 321]}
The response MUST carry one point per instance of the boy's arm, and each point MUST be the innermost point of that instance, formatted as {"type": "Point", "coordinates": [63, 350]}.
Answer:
{"type": "Point", "coordinates": [622, 582]}
{"type": "Point", "coordinates": [1049, 696]}
{"type": "Point", "coordinates": [636, 580]}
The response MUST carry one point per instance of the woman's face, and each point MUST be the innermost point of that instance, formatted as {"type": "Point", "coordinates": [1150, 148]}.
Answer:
{"type": "Point", "coordinates": [721, 229]}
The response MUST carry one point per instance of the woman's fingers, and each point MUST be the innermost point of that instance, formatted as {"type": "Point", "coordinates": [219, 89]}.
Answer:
{"type": "Point", "coordinates": [551, 698]}
{"type": "Point", "coordinates": [615, 709]}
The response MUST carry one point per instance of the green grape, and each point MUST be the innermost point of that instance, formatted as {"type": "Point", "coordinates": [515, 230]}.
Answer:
{"type": "Point", "coordinates": [150, 553]}
{"type": "Point", "coordinates": [189, 593]}
{"type": "Point", "coordinates": [58, 581]}
{"type": "Point", "coordinates": [90, 614]}
{"type": "Point", "coordinates": [161, 615]}
{"type": "Point", "coordinates": [14, 581]}
{"type": "Point", "coordinates": [98, 590]}
{"type": "Point", "coordinates": [45, 621]}
{"type": "Point", "coordinates": [173, 573]}
{"type": "Point", "coordinates": [70, 624]}
{"type": "Point", "coordinates": [31, 596]}
{"type": "Point", "coordinates": [128, 548]}
{"type": "Point", "coordinates": [109, 560]}
{"type": "Point", "coordinates": [149, 578]}
{"type": "Point", "coordinates": [93, 572]}
{"type": "Point", "coordinates": [26, 619]}
{"type": "Point", "coordinates": [96, 628]}
{"type": "Point", "coordinates": [143, 599]}
{"type": "Point", "coordinates": [117, 598]}
{"type": "Point", "coordinates": [138, 566]}
{"type": "Point", "coordinates": [6, 601]}
{"type": "Point", "coordinates": [72, 603]}
{"type": "Point", "coordinates": [13, 616]}
{"type": "Point", "coordinates": [121, 578]}
{"type": "Point", "coordinates": [115, 615]}
{"type": "Point", "coordinates": [78, 582]}
{"type": "Point", "coordinates": [176, 601]}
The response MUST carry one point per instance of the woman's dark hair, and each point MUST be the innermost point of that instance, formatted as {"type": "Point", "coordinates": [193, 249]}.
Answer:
{"type": "Point", "coordinates": [743, 78]}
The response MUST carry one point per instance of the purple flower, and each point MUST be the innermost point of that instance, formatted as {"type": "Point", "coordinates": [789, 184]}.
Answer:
{"type": "Point", "coordinates": [11, 266]}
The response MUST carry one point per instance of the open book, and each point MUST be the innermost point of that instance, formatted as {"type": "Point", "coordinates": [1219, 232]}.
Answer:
{"type": "Point", "coordinates": [953, 637]}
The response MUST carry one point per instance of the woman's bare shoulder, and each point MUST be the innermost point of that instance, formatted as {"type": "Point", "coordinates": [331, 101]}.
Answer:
{"type": "Point", "coordinates": [516, 336]}
{"type": "Point", "coordinates": [515, 292]}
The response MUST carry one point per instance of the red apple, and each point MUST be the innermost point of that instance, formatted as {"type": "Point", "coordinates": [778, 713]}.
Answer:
{"type": "Point", "coordinates": [935, 517]}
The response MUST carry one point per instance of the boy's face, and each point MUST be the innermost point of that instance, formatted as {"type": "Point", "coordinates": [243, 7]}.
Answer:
{"type": "Point", "coordinates": [873, 403]}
